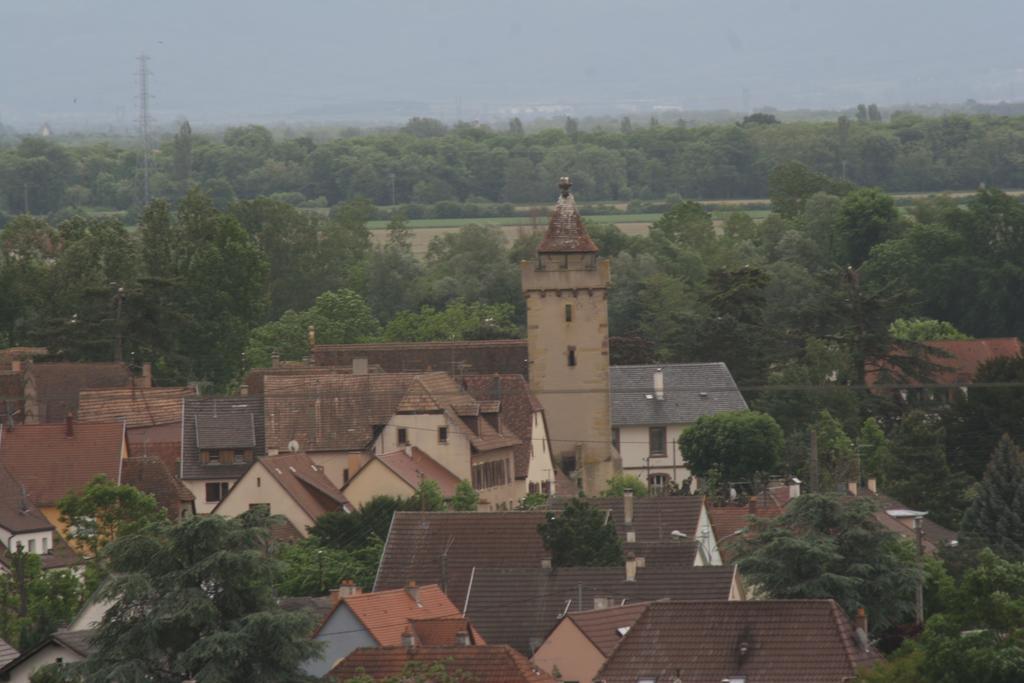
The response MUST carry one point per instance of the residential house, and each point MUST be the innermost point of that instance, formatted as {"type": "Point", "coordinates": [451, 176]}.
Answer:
{"type": "Point", "coordinates": [797, 641]}
{"type": "Point", "coordinates": [63, 647]}
{"type": "Point", "coordinates": [150, 475]}
{"type": "Point", "coordinates": [955, 363]}
{"type": "Point", "coordinates": [730, 520]}
{"type": "Point", "coordinates": [291, 485]}
{"type": "Point", "coordinates": [152, 416]}
{"type": "Point", "coordinates": [220, 439]}
{"type": "Point", "coordinates": [480, 664]}
{"type": "Point", "coordinates": [379, 620]}
{"type": "Point", "coordinates": [447, 547]}
{"type": "Point", "coordinates": [21, 524]}
{"type": "Point", "coordinates": [520, 607]}
{"type": "Point", "coordinates": [579, 645]}
{"type": "Point", "coordinates": [397, 474]}
{"type": "Point", "coordinates": [480, 357]}
{"type": "Point", "coordinates": [52, 460]}
{"type": "Point", "coordinates": [898, 518]}
{"type": "Point", "coordinates": [653, 404]}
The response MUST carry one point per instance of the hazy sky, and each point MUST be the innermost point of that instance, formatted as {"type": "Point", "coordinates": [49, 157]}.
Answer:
{"type": "Point", "coordinates": [236, 60]}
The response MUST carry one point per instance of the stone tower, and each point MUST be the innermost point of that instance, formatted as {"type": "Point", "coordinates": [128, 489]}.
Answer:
{"type": "Point", "coordinates": [566, 290]}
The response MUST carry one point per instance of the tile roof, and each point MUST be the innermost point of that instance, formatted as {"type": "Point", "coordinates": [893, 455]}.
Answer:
{"type": "Point", "coordinates": [566, 232]}
{"type": "Point", "coordinates": [521, 606]}
{"type": "Point", "coordinates": [958, 360]}
{"type": "Point", "coordinates": [935, 535]}
{"type": "Point", "coordinates": [654, 517]}
{"type": "Point", "coordinates": [480, 664]}
{"type": "Point", "coordinates": [319, 606]}
{"type": "Point", "coordinates": [441, 391]}
{"type": "Point", "coordinates": [516, 406]}
{"type": "Point", "coordinates": [150, 475]}
{"type": "Point", "coordinates": [386, 614]}
{"type": "Point", "coordinates": [137, 407]}
{"type": "Point", "coordinates": [241, 418]}
{"type": "Point", "coordinates": [409, 466]}
{"type": "Point", "coordinates": [254, 381]}
{"type": "Point", "coordinates": [729, 520]}
{"type": "Point", "coordinates": [442, 631]}
{"type": "Point", "coordinates": [601, 626]}
{"type": "Point", "coordinates": [7, 653]}
{"type": "Point", "coordinates": [301, 479]}
{"type": "Point", "coordinates": [50, 464]}
{"type": "Point", "coordinates": [58, 385]}
{"type": "Point", "coordinates": [479, 356]}
{"type": "Point", "coordinates": [788, 641]}
{"type": "Point", "coordinates": [330, 411]}
{"type": "Point", "coordinates": [79, 642]}
{"type": "Point", "coordinates": [692, 390]}
{"type": "Point", "coordinates": [17, 513]}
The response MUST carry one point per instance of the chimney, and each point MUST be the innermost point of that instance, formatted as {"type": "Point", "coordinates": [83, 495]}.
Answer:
{"type": "Point", "coordinates": [147, 375]}
{"type": "Point", "coordinates": [872, 485]}
{"type": "Point", "coordinates": [275, 359]}
{"type": "Point", "coordinates": [311, 335]}
{"type": "Point", "coordinates": [408, 451]}
{"type": "Point", "coordinates": [360, 366]}
{"type": "Point", "coordinates": [659, 385]}
{"type": "Point", "coordinates": [627, 506]}
{"type": "Point", "coordinates": [630, 568]}
{"type": "Point", "coordinates": [408, 639]}
{"type": "Point", "coordinates": [794, 488]}
{"type": "Point", "coordinates": [69, 425]}
{"type": "Point", "coordinates": [413, 591]}
{"type": "Point", "coordinates": [16, 365]}
{"type": "Point", "coordinates": [602, 602]}
{"type": "Point", "coordinates": [243, 390]}
{"type": "Point", "coordinates": [347, 589]}
{"type": "Point", "coordinates": [861, 620]}
{"type": "Point", "coordinates": [462, 638]}
{"type": "Point", "coordinates": [545, 564]}
{"type": "Point", "coordinates": [851, 488]}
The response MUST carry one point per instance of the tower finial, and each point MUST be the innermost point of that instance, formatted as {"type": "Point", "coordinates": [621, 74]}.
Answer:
{"type": "Point", "coordinates": [565, 184]}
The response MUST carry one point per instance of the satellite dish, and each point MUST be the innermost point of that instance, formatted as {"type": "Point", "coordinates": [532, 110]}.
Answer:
{"type": "Point", "coordinates": [293, 446]}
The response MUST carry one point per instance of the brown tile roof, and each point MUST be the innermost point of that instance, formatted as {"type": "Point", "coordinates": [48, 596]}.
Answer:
{"type": "Point", "coordinates": [410, 465]}
{"type": "Point", "coordinates": [521, 606]}
{"type": "Point", "coordinates": [516, 406]}
{"type": "Point", "coordinates": [330, 412]}
{"type": "Point", "coordinates": [150, 475]}
{"type": "Point", "coordinates": [654, 517]}
{"type": "Point", "coordinates": [601, 626]}
{"type": "Point", "coordinates": [481, 664]}
{"type": "Point", "coordinates": [566, 232]}
{"type": "Point", "coordinates": [50, 464]}
{"type": "Point", "coordinates": [935, 535]}
{"type": "Point", "coordinates": [439, 390]}
{"type": "Point", "coordinates": [787, 641]}
{"type": "Point", "coordinates": [958, 360]}
{"type": "Point", "coordinates": [386, 614]}
{"type": "Point", "coordinates": [17, 513]}
{"type": "Point", "coordinates": [255, 379]}
{"type": "Point", "coordinates": [728, 521]}
{"type": "Point", "coordinates": [441, 631]}
{"type": "Point", "coordinates": [234, 421]}
{"type": "Point", "coordinates": [137, 407]}
{"type": "Point", "coordinates": [307, 485]}
{"type": "Point", "coordinates": [481, 356]}
{"type": "Point", "coordinates": [58, 384]}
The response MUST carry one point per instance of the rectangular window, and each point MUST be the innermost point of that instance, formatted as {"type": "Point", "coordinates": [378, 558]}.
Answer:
{"type": "Point", "coordinates": [565, 261]}
{"type": "Point", "coordinates": [213, 458]}
{"type": "Point", "coordinates": [31, 545]}
{"type": "Point", "coordinates": [241, 456]}
{"type": "Point", "coordinates": [259, 482]}
{"type": "Point", "coordinates": [568, 313]}
{"type": "Point", "coordinates": [657, 483]}
{"type": "Point", "coordinates": [344, 476]}
{"type": "Point", "coordinates": [442, 435]}
{"type": "Point", "coordinates": [572, 356]}
{"type": "Point", "coordinates": [216, 491]}
{"type": "Point", "coordinates": [489, 474]}
{"type": "Point", "coordinates": [403, 436]}
{"type": "Point", "coordinates": [657, 442]}
{"type": "Point", "coordinates": [46, 544]}
{"type": "Point", "coordinates": [615, 438]}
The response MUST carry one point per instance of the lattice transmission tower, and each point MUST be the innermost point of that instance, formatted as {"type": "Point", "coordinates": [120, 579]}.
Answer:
{"type": "Point", "coordinates": [145, 123]}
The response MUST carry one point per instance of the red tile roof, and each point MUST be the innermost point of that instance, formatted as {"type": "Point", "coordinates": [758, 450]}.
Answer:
{"type": "Point", "coordinates": [441, 631]}
{"type": "Point", "coordinates": [958, 359]}
{"type": "Point", "coordinates": [601, 626]}
{"type": "Point", "coordinates": [386, 614]}
{"type": "Point", "coordinates": [409, 466]}
{"type": "Point", "coordinates": [51, 464]}
{"type": "Point", "coordinates": [566, 232]}
{"type": "Point", "coordinates": [137, 407]}
{"type": "Point", "coordinates": [480, 664]}
{"type": "Point", "coordinates": [787, 641]}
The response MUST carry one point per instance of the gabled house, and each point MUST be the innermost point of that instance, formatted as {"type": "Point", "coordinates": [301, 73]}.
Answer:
{"type": "Point", "coordinates": [23, 528]}
{"type": "Point", "coordinates": [380, 620]}
{"type": "Point", "coordinates": [520, 607]}
{"type": "Point", "coordinates": [579, 645]}
{"type": "Point", "coordinates": [480, 664]}
{"type": "Point", "coordinates": [150, 475]}
{"type": "Point", "coordinates": [63, 647]}
{"type": "Point", "coordinates": [653, 404]}
{"type": "Point", "coordinates": [796, 641]}
{"type": "Point", "coordinates": [51, 460]}
{"type": "Point", "coordinates": [397, 474]}
{"type": "Point", "coordinates": [220, 438]}
{"type": "Point", "coordinates": [896, 517]}
{"type": "Point", "coordinates": [291, 485]}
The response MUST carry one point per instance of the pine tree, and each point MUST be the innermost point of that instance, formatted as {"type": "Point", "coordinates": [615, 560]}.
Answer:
{"type": "Point", "coordinates": [996, 516]}
{"type": "Point", "coordinates": [579, 537]}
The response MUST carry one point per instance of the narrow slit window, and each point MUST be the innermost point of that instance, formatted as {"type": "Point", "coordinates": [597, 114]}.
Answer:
{"type": "Point", "coordinates": [568, 313]}
{"type": "Point", "coordinates": [572, 356]}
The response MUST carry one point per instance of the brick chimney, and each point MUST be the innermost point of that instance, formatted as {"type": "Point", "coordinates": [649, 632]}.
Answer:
{"type": "Point", "coordinates": [243, 390]}
{"type": "Point", "coordinates": [630, 567]}
{"type": "Point", "coordinates": [69, 425]}
{"type": "Point", "coordinates": [627, 506]}
{"type": "Point", "coordinates": [275, 359]}
{"type": "Point", "coordinates": [311, 335]}
{"type": "Point", "coordinates": [659, 385]}
{"type": "Point", "coordinates": [147, 376]}
{"type": "Point", "coordinates": [861, 620]}
{"type": "Point", "coordinates": [347, 589]}
{"type": "Point", "coordinates": [414, 592]}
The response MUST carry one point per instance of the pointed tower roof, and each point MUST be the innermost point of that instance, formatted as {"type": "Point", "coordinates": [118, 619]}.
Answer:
{"type": "Point", "coordinates": [566, 233]}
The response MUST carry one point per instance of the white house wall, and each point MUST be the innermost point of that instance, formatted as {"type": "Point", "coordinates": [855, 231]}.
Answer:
{"type": "Point", "coordinates": [421, 432]}
{"type": "Point", "coordinates": [634, 447]}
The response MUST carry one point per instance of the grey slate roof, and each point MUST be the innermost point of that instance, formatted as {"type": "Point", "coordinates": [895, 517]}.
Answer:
{"type": "Point", "coordinates": [213, 422]}
{"type": "Point", "coordinates": [692, 390]}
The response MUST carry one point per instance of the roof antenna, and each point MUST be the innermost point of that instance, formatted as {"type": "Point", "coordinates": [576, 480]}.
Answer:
{"type": "Point", "coordinates": [24, 499]}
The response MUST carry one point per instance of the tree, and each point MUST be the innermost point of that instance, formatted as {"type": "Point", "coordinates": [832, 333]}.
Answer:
{"type": "Point", "coordinates": [996, 515]}
{"type": "Point", "coordinates": [353, 530]}
{"type": "Point", "coordinates": [869, 217]}
{"type": "Point", "coordinates": [791, 184]}
{"type": "Point", "coordinates": [924, 330]}
{"type": "Point", "coordinates": [579, 537]}
{"type": "Point", "coordinates": [308, 567]}
{"type": "Point", "coordinates": [457, 320]}
{"type": "Point", "coordinates": [103, 511]}
{"type": "Point", "coordinates": [466, 498]}
{"type": "Point", "coordinates": [837, 457]}
{"type": "Point", "coordinates": [35, 603]}
{"type": "Point", "coordinates": [183, 154]}
{"type": "Point", "coordinates": [740, 446]}
{"type": "Point", "coordinates": [759, 119]}
{"type": "Point", "coordinates": [196, 600]}
{"type": "Point", "coordinates": [620, 483]}
{"type": "Point", "coordinates": [420, 672]}
{"type": "Point", "coordinates": [825, 547]}
{"type": "Point", "coordinates": [873, 448]}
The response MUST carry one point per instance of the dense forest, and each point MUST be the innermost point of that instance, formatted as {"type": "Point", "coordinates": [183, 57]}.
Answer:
{"type": "Point", "coordinates": [426, 162]}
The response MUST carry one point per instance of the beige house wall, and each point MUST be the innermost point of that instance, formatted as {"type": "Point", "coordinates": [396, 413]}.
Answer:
{"type": "Point", "coordinates": [542, 466]}
{"type": "Point", "coordinates": [570, 652]}
{"type": "Point", "coordinates": [375, 479]}
{"type": "Point", "coordinates": [422, 432]}
{"type": "Point", "coordinates": [575, 398]}
{"type": "Point", "coordinates": [507, 496]}
{"type": "Point", "coordinates": [257, 486]}
{"type": "Point", "coordinates": [634, 447]}
{"type": "Point", "coordinates": [334, 464]}
{"type": "Point", "coordinates": [47, 655]}
{"type": "Point", "coordinates": [198, 489]}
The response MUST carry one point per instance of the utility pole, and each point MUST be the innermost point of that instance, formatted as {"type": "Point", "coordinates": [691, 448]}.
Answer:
{"type": "Point", "coordinates": [393, 202]}
{"type": "Point", "coordinates": [919, 591]}
{"type": "Point", "coordinates": [813, 464]}
{"type": "Point", "coordinates": [25, 190]}
{"type": "Point", "coordinates": [144, 123]}
{"type": "Point", "coordinates": [119, 338]}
